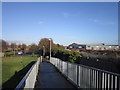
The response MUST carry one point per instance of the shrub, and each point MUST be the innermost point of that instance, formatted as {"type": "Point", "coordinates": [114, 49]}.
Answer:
{"type": "Point", "coordinates": [65, 55]}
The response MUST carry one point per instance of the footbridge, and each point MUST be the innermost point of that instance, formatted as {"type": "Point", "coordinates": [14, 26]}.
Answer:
{"type": "Point", "coordinates": [56, 73]}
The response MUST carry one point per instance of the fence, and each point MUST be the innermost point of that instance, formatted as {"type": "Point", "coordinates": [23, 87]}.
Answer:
{"type": "Point", "coordinates": [87, 77]}
{"type": "Point", "coordinates": [30, 78]}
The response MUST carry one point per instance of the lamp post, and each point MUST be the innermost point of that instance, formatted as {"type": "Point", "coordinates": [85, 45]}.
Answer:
{"type": "Point", "coordinates": [50, 47]}
{"type": "Point", "coordinates": [44, 51]}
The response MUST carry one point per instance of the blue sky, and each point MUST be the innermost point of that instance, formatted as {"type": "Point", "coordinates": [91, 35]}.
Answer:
{"type": "Point", "coordinates": [65, 23]}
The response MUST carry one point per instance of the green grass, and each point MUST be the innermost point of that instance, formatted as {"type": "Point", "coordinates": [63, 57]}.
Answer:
{"type": "Point", "coordinates": [10, 65]}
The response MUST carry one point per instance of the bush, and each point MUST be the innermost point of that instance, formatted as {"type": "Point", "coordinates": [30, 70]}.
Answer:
{"type": "Point", "coordinates": [65, 55]}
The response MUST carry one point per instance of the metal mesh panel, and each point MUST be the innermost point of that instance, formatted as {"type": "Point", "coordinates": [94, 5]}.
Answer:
{"type": "Point", "coordinates": [64, 68]}
{"type": "Point", "coordinates": [72, 72]}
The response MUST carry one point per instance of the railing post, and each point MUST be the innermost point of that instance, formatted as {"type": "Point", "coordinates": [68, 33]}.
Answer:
{"type": "Point", "coordinates": [77, 75]}
{"type": "Point", "coordinates": [67, 69]}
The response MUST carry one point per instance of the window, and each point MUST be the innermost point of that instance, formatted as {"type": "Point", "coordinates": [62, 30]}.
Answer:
{"type": "Point", "coordinates": [79, 46]}
{"type": "Point", "coordinates": [97, 46]}
{"type": "Point", "coordinates": [71, 47]}
{"type": "Point", "coordinates": [110, 46]}
{"type": "Point", "coordinates": [117, 46]}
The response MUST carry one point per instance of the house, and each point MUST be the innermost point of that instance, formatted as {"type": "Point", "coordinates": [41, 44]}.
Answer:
{"type": "Point", "coordinates": [93, 46]}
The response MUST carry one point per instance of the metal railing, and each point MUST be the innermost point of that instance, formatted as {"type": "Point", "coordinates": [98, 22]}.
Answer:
{"type": "Point", "coordinates": [30, 78]}
{"type": "Point", "coordinates": [87, 77]}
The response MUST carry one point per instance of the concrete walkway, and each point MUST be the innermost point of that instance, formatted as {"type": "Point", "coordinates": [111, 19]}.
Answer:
{"type": "Point", "coordinates": [49, 77]}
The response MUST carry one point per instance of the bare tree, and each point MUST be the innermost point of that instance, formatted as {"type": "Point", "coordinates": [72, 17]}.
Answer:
{"type": "Point", "coordinates": [4, 45]}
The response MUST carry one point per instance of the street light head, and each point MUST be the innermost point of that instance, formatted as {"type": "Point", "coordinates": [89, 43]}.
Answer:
{"type": "Point", "coordinates": [50, 39]}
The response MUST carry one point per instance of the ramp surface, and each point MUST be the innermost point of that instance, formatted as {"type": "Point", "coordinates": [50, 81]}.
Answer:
{"type": "Point", "coordinates": [49, 77]}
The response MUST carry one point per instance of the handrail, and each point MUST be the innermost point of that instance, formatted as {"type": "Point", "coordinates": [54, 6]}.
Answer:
{"type": "Point", "coordinates": [99, 70]}
{"type": "Point", "coordinates": [25, 77]}
{"type": "Point", "coordinates": [31, 74]}
{"type": "Point", "coordinates": [87, 77]}
{"type": "Point", "coordinates": [94, 68]}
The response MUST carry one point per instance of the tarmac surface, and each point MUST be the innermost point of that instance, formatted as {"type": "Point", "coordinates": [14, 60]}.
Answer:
{"type": "Point", "coordinates": [49, 77]}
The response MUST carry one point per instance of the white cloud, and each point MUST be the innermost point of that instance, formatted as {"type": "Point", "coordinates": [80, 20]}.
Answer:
{"type": "Point", "coordinates": [95, 20]}
{"type": "Point", "coordinates": [110, 23]}
{"type": "Point", "coordinates": [102, 22]}
{"type": "Point", "coordinates": [40, 22]}
{"type": "Point", "coordinates": [65, 14]}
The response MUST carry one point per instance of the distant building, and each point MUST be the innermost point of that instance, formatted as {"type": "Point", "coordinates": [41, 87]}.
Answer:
{"type": "Point", "coordinates": [65, 47]}
{"type": "Point", "coordinates": [27, 49]}
{"type": "Point", "coordinates": [93, 46]}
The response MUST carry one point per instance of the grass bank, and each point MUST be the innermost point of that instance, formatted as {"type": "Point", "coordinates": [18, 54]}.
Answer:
{"type": "Point", "coordinates": [12, 65]}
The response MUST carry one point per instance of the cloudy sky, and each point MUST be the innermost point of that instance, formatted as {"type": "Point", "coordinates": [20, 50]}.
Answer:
{"type": "Point", "coordinates": [64, 22]}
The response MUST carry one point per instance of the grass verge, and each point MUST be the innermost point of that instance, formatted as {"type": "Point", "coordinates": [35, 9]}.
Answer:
{"type": "Point", "coordinates": [13, 65]}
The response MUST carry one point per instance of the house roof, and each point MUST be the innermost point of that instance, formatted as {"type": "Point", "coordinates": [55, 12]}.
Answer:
{"type": "Point", "coordinates": [88, 43]}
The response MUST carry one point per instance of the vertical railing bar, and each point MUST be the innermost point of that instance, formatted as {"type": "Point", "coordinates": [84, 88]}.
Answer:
{"type": "Point", "coordinates": [112, 81]}
{"type": "Point", "coordinates": [102, 80]}
{"type": "Point", "coordinates": [105, 81]}
{"type": "Point", "coordinates": [87, 77]}
{"type": "Point", "coordinates": [116, 82]}
{"type": "Point", "coordinates": [80, 75]}
{"type": "Point", "coordinates": [82, 79]}
{"type": "Point", "coordinates": [91, 78]}
{"type": "Point", "coordinates": [96, 80]}
{"type": "Point", "coordinates": [108, 81]}
{"type": "Point", "coordinates": [67, 69]}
